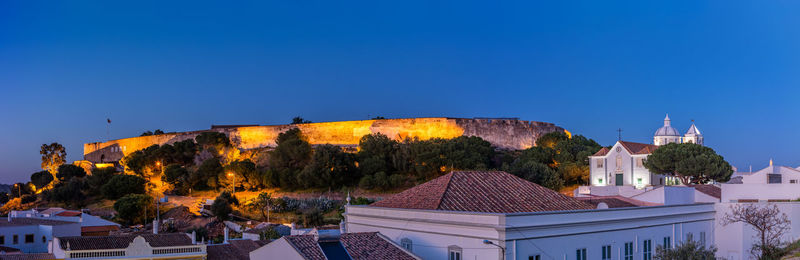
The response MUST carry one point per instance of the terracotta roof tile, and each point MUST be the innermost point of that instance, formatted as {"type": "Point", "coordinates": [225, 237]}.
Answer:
{"type": "Point", "coordinates": [371, 245]}
{"type": "Point", "coordinates": [709, 189]}
{"type": "Point", "coordinates": [307, 246]}
{"type": "Point", "coordinates": [602, 152]}
{"type": "Point", "coordinates": [238, 249]}
{"type": "Point", "coordinates": [99, 228]}
{"type": "Point", "coordinates": [118, 242]}
{"type": "Point", "coordinates": [638, 148]}
{"type": "Point", "coordinates": [482, 191]}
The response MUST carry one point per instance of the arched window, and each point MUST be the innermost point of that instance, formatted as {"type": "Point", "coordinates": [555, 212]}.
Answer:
{"type": "Point", "coordinates": [454, 252]}
{"type": "Point", "coordinates": [407, 244]}
{"type": "Point", "coordinates": [44, 239]}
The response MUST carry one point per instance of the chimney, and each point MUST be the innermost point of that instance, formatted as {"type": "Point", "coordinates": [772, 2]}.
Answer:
{"type": "Point", "coordinates": [194, 237]}
{"type": "Point", "coordinates": [155, 226]}
{"type": "Point", "coordinates": [226, 235]}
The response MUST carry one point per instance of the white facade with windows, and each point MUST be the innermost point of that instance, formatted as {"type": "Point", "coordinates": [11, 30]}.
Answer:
{"type": "Point", "coordinates": [618, 233]}
{"type": "Point", "coordinates": [34, 235]}
{"type": "Point", "coordinates": [622, 165]}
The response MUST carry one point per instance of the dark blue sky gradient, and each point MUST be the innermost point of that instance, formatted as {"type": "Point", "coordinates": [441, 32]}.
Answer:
{"type": "Point", "coordinates": [589, 66]}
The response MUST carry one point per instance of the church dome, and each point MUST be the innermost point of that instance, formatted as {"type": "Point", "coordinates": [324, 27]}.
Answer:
{"type": "Point", "coordinates": [667, 130]}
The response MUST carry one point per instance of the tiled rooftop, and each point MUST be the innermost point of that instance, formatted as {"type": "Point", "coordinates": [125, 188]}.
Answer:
{"type": "Point", "coordinates": [482, 191]}
{"type": "Point", "coordinates": [372, 245]}
{"type": "Point", "coordinates": [118, 242]}
{"type": "Point", "coordinates": [234, 250]}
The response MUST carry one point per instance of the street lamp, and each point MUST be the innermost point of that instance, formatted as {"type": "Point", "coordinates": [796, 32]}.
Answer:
{"type": "Point", "coordinates": [503, 249]}
{"type": "Point", "coordinates": [233, 186]}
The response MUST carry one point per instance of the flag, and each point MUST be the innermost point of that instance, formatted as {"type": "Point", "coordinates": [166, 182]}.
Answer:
{"type": "Point", "coordinates": [109, 120]}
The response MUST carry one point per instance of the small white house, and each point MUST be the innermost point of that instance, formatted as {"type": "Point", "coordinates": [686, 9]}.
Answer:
{"type": "Point", "coordinates": [365, 245]}
{"type": "Point", "coordinates": [495, 215]}
{"type": "Point", "coordinates": [31, 235]}
{"type": "Point", "coordinates": [146, 246]}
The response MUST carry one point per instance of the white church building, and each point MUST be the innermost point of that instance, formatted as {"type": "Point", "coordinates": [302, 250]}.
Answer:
{"type": "Point", "coordinates": [623, 164]}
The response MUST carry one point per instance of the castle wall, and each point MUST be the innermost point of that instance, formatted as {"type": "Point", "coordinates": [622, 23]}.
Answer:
{"type": "Point", "coordinates": [502, 133]}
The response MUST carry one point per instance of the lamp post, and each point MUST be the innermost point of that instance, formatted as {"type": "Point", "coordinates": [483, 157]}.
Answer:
{"type": "Point", "coordinates": [233, 185]}
{"type": "Point", "coordinates": [502, 249]}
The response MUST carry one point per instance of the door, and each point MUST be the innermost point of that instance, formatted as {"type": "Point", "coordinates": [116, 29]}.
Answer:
{"type": "Point", "coordinates": [618, 181]}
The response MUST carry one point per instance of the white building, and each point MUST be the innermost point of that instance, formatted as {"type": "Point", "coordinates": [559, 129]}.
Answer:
{"type": "Point", "coordinates": [90, 225]}
{"type": "Point", "coordinates": [623, 164]}
{"type": "Point", "coordinates": [147, 246]}
{"type": "Point", "coordinates": [495, 215]}
{"type": "Point", "coordinates": [31, 235]}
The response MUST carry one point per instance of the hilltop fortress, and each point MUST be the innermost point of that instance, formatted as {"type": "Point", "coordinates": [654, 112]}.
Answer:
{"type": "Point", "coordinates": [504, 133]}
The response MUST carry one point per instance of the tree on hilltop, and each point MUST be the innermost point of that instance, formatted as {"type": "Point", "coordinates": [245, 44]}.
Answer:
{"type": "Point", "coordinates": [53, 155]}
{"type": "Point", "coordinates": [41, 179]}
{"type": "Point", "coordinates": [299, 120]}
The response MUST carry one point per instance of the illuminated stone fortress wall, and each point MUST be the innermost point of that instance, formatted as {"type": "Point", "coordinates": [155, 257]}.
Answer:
{"type": "Point", "coordinates": [505, 133]}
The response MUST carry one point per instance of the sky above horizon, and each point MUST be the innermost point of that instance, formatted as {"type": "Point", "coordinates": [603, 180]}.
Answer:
{"type": "Point", "coordinates": [589, 66]}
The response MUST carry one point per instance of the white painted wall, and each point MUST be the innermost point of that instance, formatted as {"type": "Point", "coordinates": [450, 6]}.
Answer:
{"type": "Point", "coordinates": [555, 234]}
{"type": "Point", "coordinates": [735, 240]}
{"type": "Point", "coordinates": [763, 192]}
{"type": "Point", "coordinates": [38, 231]}
{"type": "Point", "coordinates": [278, 249]}
{"type": "Point", "coordinates": [631, 171]}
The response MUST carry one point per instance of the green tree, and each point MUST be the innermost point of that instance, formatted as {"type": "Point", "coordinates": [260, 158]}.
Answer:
{"type": "Point", "coordinates": [468, 153]}
{"type": "Point", "coordinates": [131, 208]}
{"type": "Point", "coordinates": [53, 155]}
{"type": "Point", "coordinates": [290, 156]}
{"type": "Point", "coordinates": [207, 175]}
{"type": "Point", "coordinates": [550, 140]}
{"type": "Point", "coordinates": [41, 179]}
{"type": "Point", "coordinates": [120, 185]}
{"type": "Point", "coordinates": [99, 177]}
{"type": "Point", "coordinates": [375, 153]}
{"type": "Point", "coordinates": [215, 140]}
{"type": "Point", "coordinates": [228, 197]}
{"type": "Point", "coordinates": [688, 249]}
{"type": "Point", "coordinates": [19, 189]}
{"type": "Point", "coordinates": [263, 202]}
{"type": "Point", "coordinates": [69, 192]}
{"type": "Point", "coordinates": [691, 163]}
{"type": "Point", "coordinates": [366, 182]}
{"type": "Point", "coordinates": [330, 167]}
{"type": "Point", "coordinates": [4, 198]}
{"type": "Point", "coordinates": [299, 120]}
{"type": "Point", "coordinates": [247, 176]}
{"type": "Point", "coordinates": [177, 176]}
{"type": "Point", "coordinates": [221, 208]}
{"type": "Point", "coordinates": [68, 171]}
{"type": "Point", "coordinates": [537, 172]}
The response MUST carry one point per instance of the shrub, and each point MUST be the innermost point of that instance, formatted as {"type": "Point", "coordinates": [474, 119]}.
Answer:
{"type": "Point", "coordinates": [121, 185]}
{"type": "Point", "coordinates": [366, 182]}
{"type": "Point", "coordinates": [27, 198]}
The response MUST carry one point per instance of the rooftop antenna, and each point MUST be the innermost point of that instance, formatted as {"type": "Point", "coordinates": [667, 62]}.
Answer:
{"type": "Point", "coordinates": [619, 134]}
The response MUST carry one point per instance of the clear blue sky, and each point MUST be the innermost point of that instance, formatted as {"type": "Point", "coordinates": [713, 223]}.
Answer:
{"type": "Point", "coordinates": [591, 67]}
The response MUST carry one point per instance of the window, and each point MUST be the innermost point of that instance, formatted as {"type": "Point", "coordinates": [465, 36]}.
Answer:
{"type": "Point", "coordinates": [639, 180]}
{"type": "Point", "coordinates": [454, 253]}
{"type": "Point", "coordinates": [689, 236]}
{"type": "Point", "coordinates": [599, 163]}
{"type": "Point", "coordinates": [535, 257]}
{"type": "Point", "coordinates": [28, 238]}
{"type": "Point", "coordinates": [606, 252]}
{"type": "Point", "coordinates": [647, 249]}
{"type": "Point", "coordinates": [773, 178]}
{"type": "Point", "coordinates": [619, 149]}
{"type": "Point", "coordinates": [600, 180]}
{"type": "Point", "coordinates": [15, 239]}
{"type": "Point", "coordinates": [628, 251]}
{"type": "Point", "coordinates": [2, 240]}
{"type": "Point", "coordinates": [619, 163]}
{"type": "Point", "coordinates": [44, 239]}
{"type": "Point", "coordinates": [792, 181]}
{"type": "Point", "coordinates": [639, 162]}
{"type": "Point", "coordinates": [703, 239]}
{"type": "Point", "coordinates": [406, 243]}
{"type": "Point", "coordinates": [580, 254]}
{"type": "Point", "coordinates": [667, 242]}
